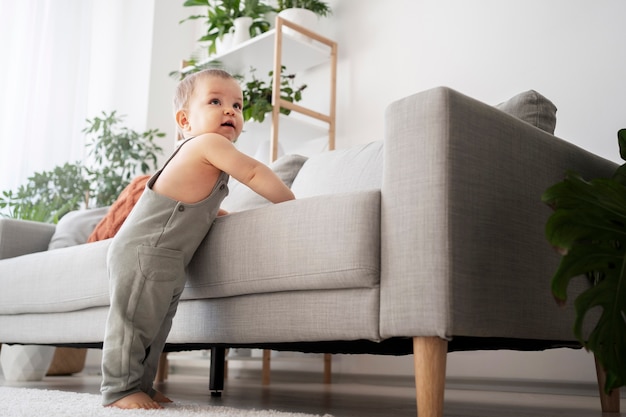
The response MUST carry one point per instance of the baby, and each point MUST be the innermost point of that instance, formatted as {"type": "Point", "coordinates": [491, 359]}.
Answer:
{"type": "Point", "coordinates": [148, 256]}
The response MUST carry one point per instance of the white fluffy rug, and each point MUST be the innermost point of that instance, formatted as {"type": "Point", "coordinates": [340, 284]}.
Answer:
{"type": "Point", "coordinates": [18, 402]}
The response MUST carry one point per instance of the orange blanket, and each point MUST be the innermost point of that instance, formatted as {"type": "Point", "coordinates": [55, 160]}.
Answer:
{"type": "Point", "coordinates": [111, 223]}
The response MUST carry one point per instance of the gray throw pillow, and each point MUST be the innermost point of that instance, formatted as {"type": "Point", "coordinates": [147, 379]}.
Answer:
{"type": "Point", "coordinates": [533, 108]}
{"type": "Point", "coordinates": [240, 197]}
{"type": "Point", "coordinates": [75, 227]}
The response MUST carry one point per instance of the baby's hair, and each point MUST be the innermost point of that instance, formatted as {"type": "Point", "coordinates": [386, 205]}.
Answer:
{"type": "Point", "coordinates": [186, 86]}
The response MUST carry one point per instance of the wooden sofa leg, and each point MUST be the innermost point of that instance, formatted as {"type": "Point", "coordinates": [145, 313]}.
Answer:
{"type": "Point", "coordinates": [430, 354]}
{"type": "Point", "coordinates": [265, 375]}
{"type": "Point", "coordinates": [610, 402]}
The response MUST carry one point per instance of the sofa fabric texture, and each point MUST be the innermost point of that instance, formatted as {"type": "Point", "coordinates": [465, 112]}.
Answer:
{"type": "Point", "coordinates": [437, 230]}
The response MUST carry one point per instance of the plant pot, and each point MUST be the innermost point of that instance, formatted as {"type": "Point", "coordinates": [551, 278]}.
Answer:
{"type": "Point", "coordinates": [302, 17]}
{"type": "Point", "coordinates": [67, 361]}
{"type": "Point", "coordinates": [224, 44]}
{"type": "Point", "coordinates": [242, 30]}
{"type": "Point", "coordinates": [25, 362]}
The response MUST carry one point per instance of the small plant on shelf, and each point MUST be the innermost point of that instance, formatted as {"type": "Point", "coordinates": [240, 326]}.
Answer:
{"type": "Point", "coordinates": [318, 7]}
{"type": "Point", "coordinates": [257, 95]}
{"type": "Point", "coordinates": [221, 14]}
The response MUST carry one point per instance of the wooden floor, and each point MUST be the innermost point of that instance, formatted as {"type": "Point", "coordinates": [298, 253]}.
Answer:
{"type": "Point", "coordinates": [362, 397]}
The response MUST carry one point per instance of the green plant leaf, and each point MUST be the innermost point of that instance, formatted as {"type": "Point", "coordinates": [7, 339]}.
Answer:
{"type": "Point", "coordinates": [221, 14]}
{"type": "Point", "coordinates": [620, 174]}
{"type": "Point", "coordinates": [191, 3]}
{"type": "Point", "coordinates": [257, 95]}
{"type": "Point", "coordinates": [607, 339]}
{"type": "Point", "coordinates": [621, 140]}
{"type": "Point", "coordinates": [589, 223]}
{"type": "Point", "coordinates": [318, 7]}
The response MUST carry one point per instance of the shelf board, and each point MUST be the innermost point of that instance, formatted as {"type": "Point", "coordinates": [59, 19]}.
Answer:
{"type": "Point", "coordinates": [258, 52]}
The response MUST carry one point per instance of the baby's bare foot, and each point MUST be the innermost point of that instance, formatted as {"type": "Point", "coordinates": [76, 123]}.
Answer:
{"type": "Point", "coordinates": [138, 400]}
{"type": "Point", "coordinates": [160, 398]}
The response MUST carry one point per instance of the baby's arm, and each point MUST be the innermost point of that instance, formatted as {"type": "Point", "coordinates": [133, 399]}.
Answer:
{"type": "Point", "coordinates": [259, 177]}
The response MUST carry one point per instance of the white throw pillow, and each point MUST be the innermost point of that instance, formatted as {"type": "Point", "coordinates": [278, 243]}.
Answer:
{"type": "Point", "coordinates": [358, 168]}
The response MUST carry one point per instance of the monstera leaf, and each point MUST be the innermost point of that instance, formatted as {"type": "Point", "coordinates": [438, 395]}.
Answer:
{"type": "Point", "coordinates": [589, 227]}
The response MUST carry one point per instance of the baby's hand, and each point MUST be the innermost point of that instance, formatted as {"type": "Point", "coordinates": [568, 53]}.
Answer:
{"type": "Point", "coordinates": [222, 212]}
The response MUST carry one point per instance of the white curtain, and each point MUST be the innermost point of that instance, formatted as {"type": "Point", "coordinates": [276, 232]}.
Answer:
{"type": "Point", "coordinates": [44, 67]}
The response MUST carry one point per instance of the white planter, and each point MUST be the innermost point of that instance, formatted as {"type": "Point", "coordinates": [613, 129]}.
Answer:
{"type": "Point", "coordinates": [224, 45]}
{"type": "Point", "coordinates": [25, 362]}
{"type": "Point", "coordinates": [242, 30]}
{"type": "Point", "coordinates": [303, 17]}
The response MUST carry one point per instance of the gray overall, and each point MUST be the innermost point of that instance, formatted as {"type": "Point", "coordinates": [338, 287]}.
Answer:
{"type": "Point", "coordinates": [146, 263]}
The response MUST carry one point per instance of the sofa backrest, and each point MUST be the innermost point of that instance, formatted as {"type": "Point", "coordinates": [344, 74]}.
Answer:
{"type": "Point", "coordinates": [358, 168]}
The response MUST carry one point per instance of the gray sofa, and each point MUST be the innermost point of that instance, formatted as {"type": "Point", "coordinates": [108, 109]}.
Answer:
{"type": "Point", "coordinates": [429, 241]}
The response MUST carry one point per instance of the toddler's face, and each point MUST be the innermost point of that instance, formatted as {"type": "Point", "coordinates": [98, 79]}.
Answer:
{"type": "Point", "coordinates": [215, 107]}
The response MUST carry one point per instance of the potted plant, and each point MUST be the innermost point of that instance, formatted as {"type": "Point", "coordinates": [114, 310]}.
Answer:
{"type": "Point", "coordinates": [116, 155]}
{"type": "Point", "coordinates": [303, 13]}
{"type": "Point", "coordinates": [320, 8]}
{"type": "Point", "coordinates": [221, 15]}
{"type": "Point", "coordinates": [588, 226]}
{"type": "Point", "coordinates": [257, 95]}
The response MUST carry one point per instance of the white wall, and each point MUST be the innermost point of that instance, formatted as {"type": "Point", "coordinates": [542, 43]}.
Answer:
{"type": "Point", "coordinates": [571, 51]}
{"type": "Point", "coordinates": [136, 45]}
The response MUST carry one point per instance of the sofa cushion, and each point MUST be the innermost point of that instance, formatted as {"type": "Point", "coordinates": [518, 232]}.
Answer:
{"type": "Point", "coordinates": [319, 243]}
{"type": "Point", "coordinates": [65, 279]}
{"type": "Point", "coordinates": [255, 251]}
{"type": "Point", "coordinates": [75, 227]}
{"type": "Point", "coordinates": [533, 108]}
{"type": "Point", "coordinates": [240, 197]}
{"type": "Point", "coordinates": [340, 171]}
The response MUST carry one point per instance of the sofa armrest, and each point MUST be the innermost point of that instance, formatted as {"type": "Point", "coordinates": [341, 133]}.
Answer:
{"type": "Point", "coordinates": [463, 245]}
{"type": "Point", "coordinates": [19, 237]}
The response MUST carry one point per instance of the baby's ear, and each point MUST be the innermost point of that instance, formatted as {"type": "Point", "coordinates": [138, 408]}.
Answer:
{"type": "Point", "coordinates": [181, 119]}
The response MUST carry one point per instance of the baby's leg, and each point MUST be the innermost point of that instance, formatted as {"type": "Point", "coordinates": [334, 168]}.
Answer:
{"type": "Point", "coordinates": [152, 360]}
{"type": "Point", "coordinates": [140, 302]}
